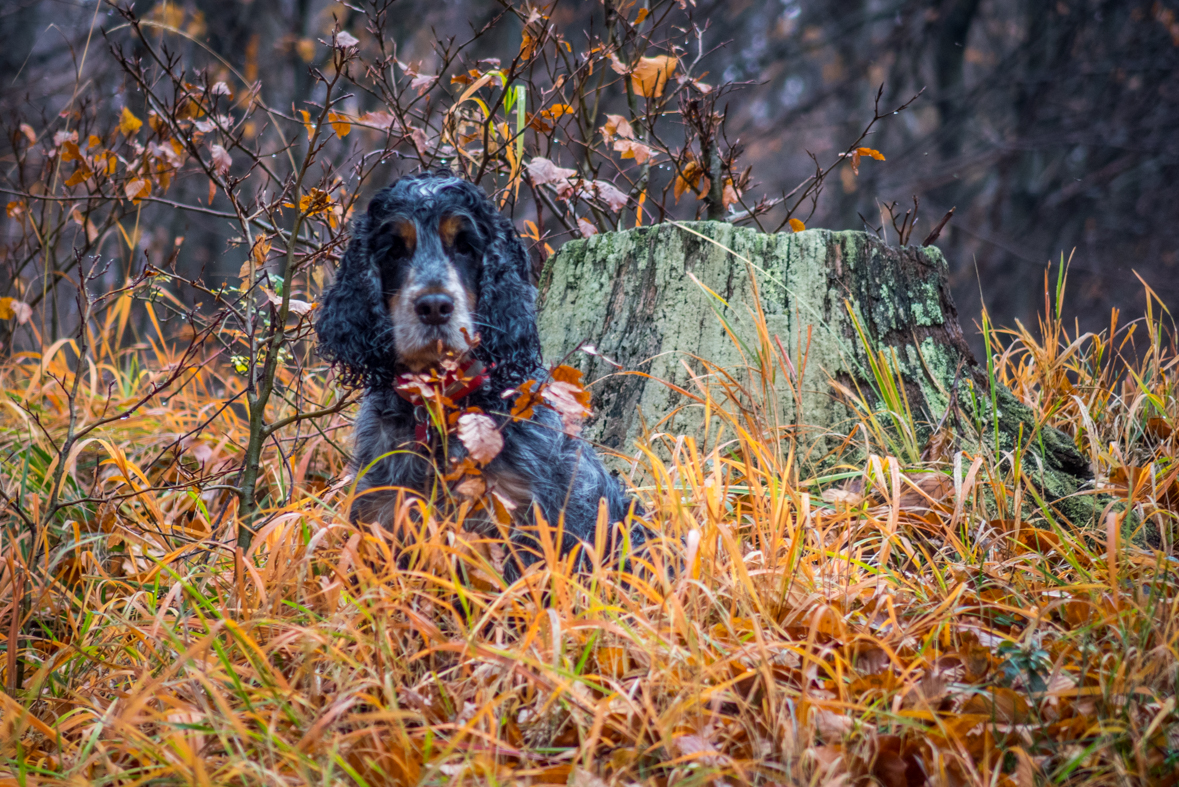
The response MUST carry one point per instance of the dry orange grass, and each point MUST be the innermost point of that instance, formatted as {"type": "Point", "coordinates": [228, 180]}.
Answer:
{"type": "Point", "coordinates": [883, 624]}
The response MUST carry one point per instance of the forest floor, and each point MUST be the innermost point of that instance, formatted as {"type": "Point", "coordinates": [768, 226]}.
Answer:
{"type": "Point", "coordinates": [896, 621]}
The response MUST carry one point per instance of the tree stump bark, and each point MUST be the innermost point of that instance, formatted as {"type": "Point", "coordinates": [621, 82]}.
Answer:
{"type": "Point", "coordinates": [659, 301]}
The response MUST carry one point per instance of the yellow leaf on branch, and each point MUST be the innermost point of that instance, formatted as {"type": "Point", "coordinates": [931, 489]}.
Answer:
{"type": "Point", "coordinates": [313, 202]}
{"type": "Point", "coordinates": [137, 189]}
{"type": "Point", "coordinates": [340, 123]}
{"type": "Point", "coordinates": [79, 175]}
{"type": "Point", "coordinates": [128, 123]}
{"type": "Point", "coordinates": [650, 74]}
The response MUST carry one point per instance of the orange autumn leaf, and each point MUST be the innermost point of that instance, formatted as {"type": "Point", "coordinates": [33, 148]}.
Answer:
{"type": "Point", "coordinates": [730, 194]}
{"type": "Point", "coordinates": [525, 401]}
{"type": "Point", "coordinates": [128, 123]}
{"type": "Point", "coordinates": [313, 203]}
{"type": "Point", "coordinates": [567, 395]}
{"type": "Point", "coordinates": [567, 374]}
{"type": "Point", "coordinates": [688, 178]}
{"type": "Point", "coordinates": [633, 149]}
{"type": "Point", "coordinates": [80, 175]}
{"type": "Point", "coordinates": [137, 190]}
{"type": "Point", "coordinates": [470, 487]}
{"type": "Point", "coordinates": [557, 111]}
{"type": "Point", "coordinates": [859, 152]}
{"type": "Point", "coordinates": [261, 250]}
{"type": "Point", "coordinates": [69, 151]}
{"type": "Point", "coordinates": [650, 74]}
{"type": "Point", "coordinates": [340, 124]}
{"type": "Point", "coordinates": [617, 126]}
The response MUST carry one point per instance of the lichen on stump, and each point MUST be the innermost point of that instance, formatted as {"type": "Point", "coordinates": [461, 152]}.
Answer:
{"type": "Point", "coordinates": [658, 300]}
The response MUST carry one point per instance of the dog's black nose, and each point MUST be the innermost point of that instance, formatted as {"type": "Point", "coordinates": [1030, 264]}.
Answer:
{"type": "Point", "coordinates": [435, 308]}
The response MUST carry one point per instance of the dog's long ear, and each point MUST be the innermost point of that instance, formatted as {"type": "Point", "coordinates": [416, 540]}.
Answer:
{"type": "Point", "coordinates": [355, 333]}
{"type": "Point", "coordinates": [507, 306]}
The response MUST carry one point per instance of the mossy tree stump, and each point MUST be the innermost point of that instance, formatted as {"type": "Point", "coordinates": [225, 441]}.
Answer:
{"type": "Point", "coordinates": [656, 300]}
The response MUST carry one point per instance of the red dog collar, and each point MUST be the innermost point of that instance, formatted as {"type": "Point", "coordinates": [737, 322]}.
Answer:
{"type": "Point", "coordinates": [454, 384]}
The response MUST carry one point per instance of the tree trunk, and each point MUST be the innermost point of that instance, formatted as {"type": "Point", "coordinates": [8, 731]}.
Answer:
{"type": "Point", "coordinates": [831, 302]}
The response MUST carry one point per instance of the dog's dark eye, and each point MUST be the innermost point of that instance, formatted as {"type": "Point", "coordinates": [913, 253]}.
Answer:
{"type": "Point", "coordinates": [397, 248]}
{"type": "Point", "coordinates": [463, 244]}
{"type": "Point", "coordinates": [396, 240]}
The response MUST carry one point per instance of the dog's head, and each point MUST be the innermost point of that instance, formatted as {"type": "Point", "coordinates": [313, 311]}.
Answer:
{"type": "Point", "coordinates": [431, 265]}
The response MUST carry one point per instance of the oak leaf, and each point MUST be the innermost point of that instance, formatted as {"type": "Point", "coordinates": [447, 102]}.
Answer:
{"type": "Point", "coordinates": [632, 149]}
{"type": "Point", "coordinates": [543, 171]}
{"type": "Point", "coordinates": [609, 194]}
{"type": "Point", "coordinates": [221, 159]}
{"type": "Point", "coordinates": [567, 395]}
{"type": "Point", "coordinates": [128, 123]}
{"type": "Point", "coordinates": [471, 487]}
{"type": "Point", "coordinates": [478, 433]}
{"type": "Point", "coordinates": [136, 190]}
{"type": "Point", "coordinates": [307, 124]}
{"type": "Point", "coordinates": [730, 194]}
{"type": "Point", "coordinates": [381, 120]}
{"type": "Point", "coordinates": [527, 397]}
{"type": "Point", "coordinates": [649, 76]}
{"type": "Point", "coordinates": [69, 151]}
{"type": "Point", "coordinates": [859, 152]}
{"type": "Point", "coordinates": [617, 126]}
{"type": "Point", "coordinates": [557, 111]}
{"type": "Point", "coordinates": [688, 178]}
{"type": "Point", "coordinates": [313, 203]}
{"type": "Point", "coordinates": [527, 44]}
{"type": "Point", "coordinates": [423, 82]}
{"type": "Point", "coordinates": [260, 251]}
{"type": "Point", "coordinates": [294, 305]}
{"type": "Point", "coordinates": [340, 123]}
{"type": "Point", "coordinates": [79, 176]}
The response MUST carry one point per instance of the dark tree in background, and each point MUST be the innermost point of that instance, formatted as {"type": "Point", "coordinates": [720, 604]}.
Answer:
{"type": "Point", "coordinates": [1050, 126]}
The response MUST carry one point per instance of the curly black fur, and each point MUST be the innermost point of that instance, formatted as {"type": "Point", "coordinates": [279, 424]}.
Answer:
{"type": "Point", "coordinates": [540, 465]}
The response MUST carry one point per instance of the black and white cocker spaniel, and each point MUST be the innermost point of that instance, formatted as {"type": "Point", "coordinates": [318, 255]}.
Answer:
{"type": "Point", "coordinates": [436, 277]}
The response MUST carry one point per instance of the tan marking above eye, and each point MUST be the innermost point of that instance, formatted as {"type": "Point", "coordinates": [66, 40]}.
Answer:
{"type": "Point", "coordinates": [449, 228]}
{"type": "Point", "coordinates": [408, 234]}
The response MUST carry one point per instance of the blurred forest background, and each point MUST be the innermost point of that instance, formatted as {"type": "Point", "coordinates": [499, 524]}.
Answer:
{"type": "Point", "coordinates": [1050, 126]}
{"type": "Point", "coordinates": [183, 598]}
